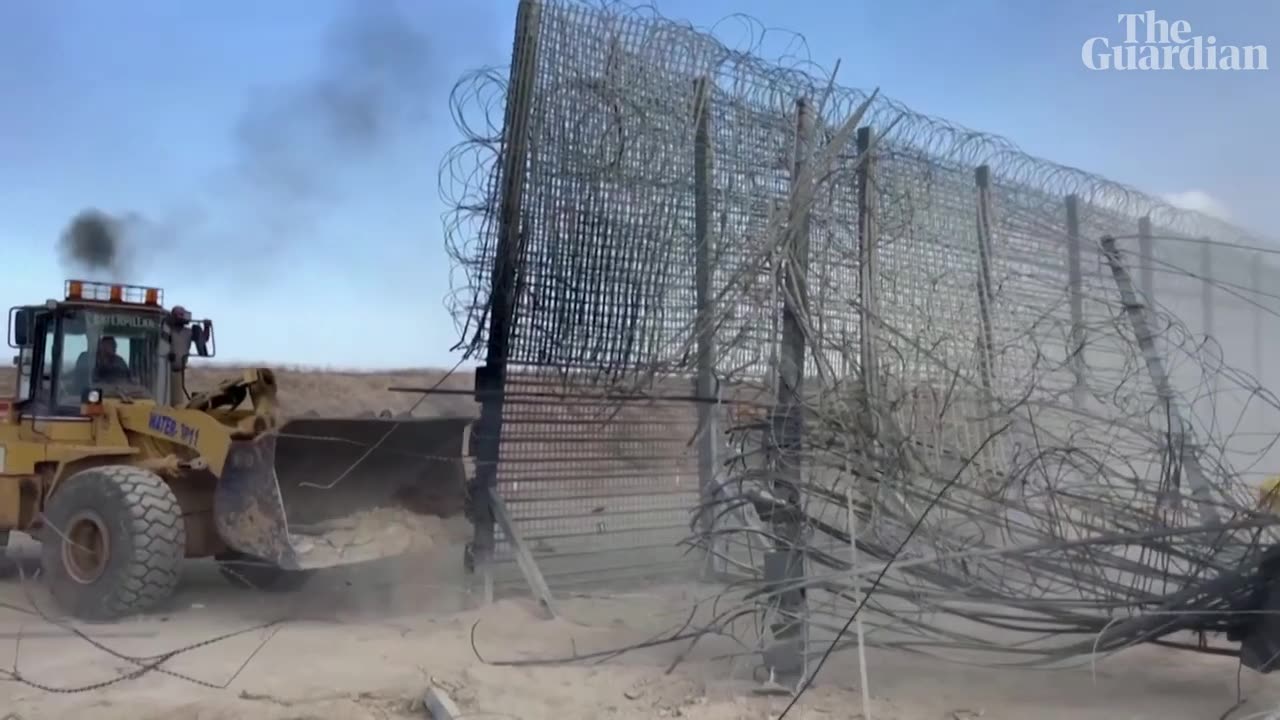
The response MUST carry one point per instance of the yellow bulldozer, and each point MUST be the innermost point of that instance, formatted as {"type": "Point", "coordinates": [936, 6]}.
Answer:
{"type": "Point", "coordinates": [121, 474]}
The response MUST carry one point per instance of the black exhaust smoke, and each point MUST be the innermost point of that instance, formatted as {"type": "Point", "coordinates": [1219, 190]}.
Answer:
{"type": "Point", "coordinates": [96, 245]}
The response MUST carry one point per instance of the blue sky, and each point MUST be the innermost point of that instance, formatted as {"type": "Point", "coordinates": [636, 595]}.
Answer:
{"type": "Point", "coordinates": [155, 107]}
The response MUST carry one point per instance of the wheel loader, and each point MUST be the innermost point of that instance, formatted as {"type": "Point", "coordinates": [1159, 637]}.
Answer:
{"type": "Point", "coordinates": [121, 474]}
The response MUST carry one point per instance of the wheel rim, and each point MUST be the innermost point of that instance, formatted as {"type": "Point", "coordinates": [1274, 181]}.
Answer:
{"type": "Point", "coordinates": [86, 547]}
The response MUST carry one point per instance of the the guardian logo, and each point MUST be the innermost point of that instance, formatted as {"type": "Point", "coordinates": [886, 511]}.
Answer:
{"type": "Point", "coordinates": [1151, 43]}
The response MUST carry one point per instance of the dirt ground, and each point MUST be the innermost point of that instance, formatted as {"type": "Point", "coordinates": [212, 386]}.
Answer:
{"type": "Point", "coordinates": [367, 643]}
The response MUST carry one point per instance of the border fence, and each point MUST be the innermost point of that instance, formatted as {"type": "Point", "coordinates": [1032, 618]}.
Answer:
{"type": "Point", "coordinates": [685, 266]}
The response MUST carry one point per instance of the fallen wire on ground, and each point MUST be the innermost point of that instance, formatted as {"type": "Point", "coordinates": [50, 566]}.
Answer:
{"type": "Point", "coordinates": [144, 664]}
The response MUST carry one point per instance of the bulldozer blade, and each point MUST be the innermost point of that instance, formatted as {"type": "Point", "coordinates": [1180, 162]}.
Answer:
{"type": "Point", "coordinates": [321, 492]}
{"type": "Point", "coordinates": [248, 511]}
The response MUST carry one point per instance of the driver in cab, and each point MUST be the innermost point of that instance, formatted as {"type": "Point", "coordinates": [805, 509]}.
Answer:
{"type": "Point", "coordinates": [108, 366]}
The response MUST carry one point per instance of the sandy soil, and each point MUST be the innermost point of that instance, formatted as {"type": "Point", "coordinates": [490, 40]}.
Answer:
{"type": "Point", "coordinates": [377, 533]}
{"type": "Point", "coordinates": [368, 642]}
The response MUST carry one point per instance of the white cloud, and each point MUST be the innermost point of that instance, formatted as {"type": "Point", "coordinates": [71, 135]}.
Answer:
{"type": "Point", "coordinates": [1199, 201]}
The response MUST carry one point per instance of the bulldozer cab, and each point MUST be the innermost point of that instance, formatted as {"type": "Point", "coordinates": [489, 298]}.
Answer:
{"type": "Point", "coordinates": [110, 341]}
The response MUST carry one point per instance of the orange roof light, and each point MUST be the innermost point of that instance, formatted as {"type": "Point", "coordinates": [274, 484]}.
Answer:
{"type": "Point", "coordinates": [114, 293]}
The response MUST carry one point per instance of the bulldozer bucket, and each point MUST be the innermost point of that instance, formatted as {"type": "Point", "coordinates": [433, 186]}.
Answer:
{"type": "Point", "coordinates": [321, 492]}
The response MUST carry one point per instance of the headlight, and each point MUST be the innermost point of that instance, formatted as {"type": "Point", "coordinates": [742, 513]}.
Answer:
{"type": "Point", "coordinates": [93, 397]}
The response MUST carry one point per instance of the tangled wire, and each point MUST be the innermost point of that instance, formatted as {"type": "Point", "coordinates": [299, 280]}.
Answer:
{"type": "Point", "coordinates": [968, 362]}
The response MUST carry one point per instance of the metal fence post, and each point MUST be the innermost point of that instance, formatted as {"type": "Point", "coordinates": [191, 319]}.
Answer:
{"type": "Point", "coordinates": [1206, 287]}
{"type": "Point", "coordinates": [492, 376]}
{"type": "Point", "coordinates": [868, 269]}
{"type": "Point", "coordinates": [1182, 439]}
{"type": "Point", "coordinates": [1075, 285]}
{"type": "Point", "coordinates": [786, 656]}
{"type": "Point", "coordinates": [1147, 261]}
{"type": "Point", "coordinates": [986, 354]}
{"type": "Point", "coordinates": [1255, 285]}
{"type": "Point", "coordinates": [704, 387]}
{"type": "Point", "coordinates": [1206, 303]}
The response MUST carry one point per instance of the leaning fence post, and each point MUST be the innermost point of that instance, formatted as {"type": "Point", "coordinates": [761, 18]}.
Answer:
{"type": "Point", "coordinates": [491, 378]}
{"type": "Point", "coordinates": [704, 384]}
{"type": "Point", "coordinates": [1075, 282]}
{"type": "Point", "coordinates": [1181, 437]}
{"type": "Point", "coordinates": [786, 565]}
{"type": "Point", "coordinates": [1146, 265]}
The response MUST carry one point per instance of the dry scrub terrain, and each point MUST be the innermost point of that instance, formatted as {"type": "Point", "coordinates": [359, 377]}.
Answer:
{"type": "Point", "coordinates": [338, 392]}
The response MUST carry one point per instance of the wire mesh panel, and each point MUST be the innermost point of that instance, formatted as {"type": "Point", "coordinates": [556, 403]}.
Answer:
{"type": "Point", "coordinates": [597, 486]}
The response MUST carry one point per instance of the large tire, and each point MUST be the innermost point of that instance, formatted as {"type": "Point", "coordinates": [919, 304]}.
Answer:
{"type": "Point", "coordinates": [114, 542]}
{"type": "Point", "coordinates": [248, 573]}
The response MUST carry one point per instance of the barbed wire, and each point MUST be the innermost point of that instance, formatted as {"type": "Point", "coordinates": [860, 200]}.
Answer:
{"type": "Point", "coordinates": [746, 79]}
{"type": "Point", "coordinates": [1120, 484]}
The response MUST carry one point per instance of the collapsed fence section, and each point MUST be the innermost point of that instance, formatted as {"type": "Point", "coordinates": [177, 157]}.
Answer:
{"type": "Point", "coordinates": [709, 286]}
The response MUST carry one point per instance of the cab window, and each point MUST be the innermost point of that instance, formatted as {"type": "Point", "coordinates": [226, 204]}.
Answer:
{"type": "Point", "coordinates": [45, 388]}
{"type": "Point", "coordinates": [115, 352]}
{"type": "Point", "coordinates": [35, 367]}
